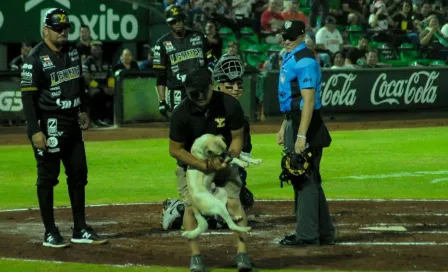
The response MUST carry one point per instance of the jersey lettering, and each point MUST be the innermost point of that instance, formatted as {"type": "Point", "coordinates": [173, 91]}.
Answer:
{"type": "Point", "coordinates": [65, 75]}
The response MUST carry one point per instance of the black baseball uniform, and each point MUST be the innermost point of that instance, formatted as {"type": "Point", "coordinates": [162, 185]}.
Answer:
{"type": "Point", "coordinates": [101, 104]}
{"type": "Point", "coordinates": [53, 95]}
{"type": "Point", "coordinates": [174, 58]}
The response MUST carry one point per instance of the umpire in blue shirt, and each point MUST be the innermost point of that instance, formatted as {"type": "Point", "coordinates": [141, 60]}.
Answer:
{"type": "Point", "coordinates": [299, 96]}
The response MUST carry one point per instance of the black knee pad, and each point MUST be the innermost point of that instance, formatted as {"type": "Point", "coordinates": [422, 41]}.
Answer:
{"type": "Point", "coordinates": [77, 180]}
{"type": "Point", "coordinates": [47, 182]}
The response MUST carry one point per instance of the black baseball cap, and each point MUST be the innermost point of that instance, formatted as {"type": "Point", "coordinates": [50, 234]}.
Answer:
{"type": "Point", "coordinates": [56, 18]}
{"type": "Point", "coordinates": [197, 81]}
{"type": "Point", "coordinates": [292, 29]}
{"type": "Point", "coordinates": [174, 13]}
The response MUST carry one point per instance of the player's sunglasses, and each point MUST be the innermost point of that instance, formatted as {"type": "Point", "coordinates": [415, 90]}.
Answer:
{"type": "Point", "coordinates": [288, 37]}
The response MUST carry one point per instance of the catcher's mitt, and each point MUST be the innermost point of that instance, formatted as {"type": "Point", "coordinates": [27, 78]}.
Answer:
{"type": "Point", "coordinates": [295, 166]}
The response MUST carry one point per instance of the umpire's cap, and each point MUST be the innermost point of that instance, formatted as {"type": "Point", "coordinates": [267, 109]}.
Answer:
{"type": "Point", "coordinates": [292, 29]}
{"type": "Point", "coordinates": [56, 18]}
{"type": "Point", "coordinates": [174, 13]}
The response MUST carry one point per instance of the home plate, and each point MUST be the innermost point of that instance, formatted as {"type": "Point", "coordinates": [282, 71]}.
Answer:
{"type": "Point", "coordinates": [385, 228]}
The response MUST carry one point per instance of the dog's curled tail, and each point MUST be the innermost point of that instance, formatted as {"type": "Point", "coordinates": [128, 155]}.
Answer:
{"type": "Point", "coordinates": [202, 226]}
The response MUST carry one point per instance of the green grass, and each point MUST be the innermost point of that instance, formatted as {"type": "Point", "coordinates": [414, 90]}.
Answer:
{"type": "Point", "coordinates": [143, 171]}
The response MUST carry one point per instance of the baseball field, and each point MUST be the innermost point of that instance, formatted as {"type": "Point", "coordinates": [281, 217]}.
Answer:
{"type": "Point", "coordinates": [387, 185]}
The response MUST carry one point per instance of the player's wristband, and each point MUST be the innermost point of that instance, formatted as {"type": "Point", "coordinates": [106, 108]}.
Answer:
{"type": "Point", "coordinates": [301, 136]}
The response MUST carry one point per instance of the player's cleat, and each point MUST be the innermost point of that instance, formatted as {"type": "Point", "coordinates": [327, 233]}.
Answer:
{"type": "Point", "coordinates": [243, 263]}
{"type": "Point", "coordinates": [54, 239]}
{"type": "Point", "coordinates": [87, 236]}
{"type": "Point", "coordinates": [173, 210]}
{"type": "Point", "coordinates": [197, 264]}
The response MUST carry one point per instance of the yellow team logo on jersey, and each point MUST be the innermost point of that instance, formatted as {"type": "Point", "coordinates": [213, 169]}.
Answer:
{"type": "Point", "coordinates": [62, 18]}
{"type": "Point", "coordinates": [220, 122]}
{"type": "Point", "coordinates": [175, 11]}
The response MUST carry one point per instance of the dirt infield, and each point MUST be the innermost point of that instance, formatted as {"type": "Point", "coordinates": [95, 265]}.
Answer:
{"type": "Point", "coordinates": [137, 238]}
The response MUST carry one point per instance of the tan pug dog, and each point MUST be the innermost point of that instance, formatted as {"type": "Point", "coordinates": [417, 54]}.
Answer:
{"type": "Point", "coordinates": [206, 198]}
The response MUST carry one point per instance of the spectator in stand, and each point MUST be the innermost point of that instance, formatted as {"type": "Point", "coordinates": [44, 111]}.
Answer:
{"type": "Point", "coordinates": [291, 12]}
{"type": "Point", "coordinates": [338, 60]}
{"type": "Point", "coordinates": [311, 46]}
{"type": "Point", "coordinates": [126, 61]}
{"type": "Point", "coordinates": [258, 7]}
{"type": "Point", "coordinates": [17, 62]}
{"type": "Point", "coordinates": [146, 65]}
{"type": "Point", "coordinates": [433, 41]}
{"type": "Point", "coordinates": [392, 6]}
{"type": "Point", "coordinates": [329, 38]}
{"type": "Point", "coordinates": [352, 12]}
{"type": "Point", "coordinates": [215, 41]}
{"type": "Point", "coordinates": [316, 5]}
{"type": "Point", "coordinates": [100, 84]}
{"type": "Point", "coordinates": [84, 45]}
{"type": "Point", "coordinates": [243, 12]}
{"type": "Point", "coordinates": [233, 49]}
{"type": "Point", "coordinates": [404, 18]}
{"type": "Point", "coordinates": [372, 59]}
{"type": "Point", "coordinates": [357, 54]}
{"type": "Point", "coordinates": [272, 19]}
{"type": "Point", "coordinates": [423, 17]}
{"type": "Point", "coordinates": [381, 23]}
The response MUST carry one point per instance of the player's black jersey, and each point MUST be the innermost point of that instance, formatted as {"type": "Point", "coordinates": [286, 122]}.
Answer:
{"type": "Point", "coordinates": [176, 57]}
{"type": "Point", "coordinates": [16, 63]}
{"type": "Point", "coordinates": [56, 76]}
{"type": "Point", "coordinates": [99, 71]}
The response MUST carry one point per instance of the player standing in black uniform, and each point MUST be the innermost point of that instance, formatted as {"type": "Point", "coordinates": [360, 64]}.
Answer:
{"type": "Point", "coordinates": [54, 104]}
{"type": "Point", "coordinates": [175, 54]}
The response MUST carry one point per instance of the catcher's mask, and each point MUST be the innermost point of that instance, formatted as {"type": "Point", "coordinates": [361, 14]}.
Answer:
{"type": "Point", "coordinates": [294, 166]}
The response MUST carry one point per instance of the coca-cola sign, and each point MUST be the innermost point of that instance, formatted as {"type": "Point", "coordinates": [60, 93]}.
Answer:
{"type": "Point", "coordinates": [418, 88]}
{"type": "Point", "coordinates": [373, 90]}
{"type": "Point", "coordinates": [338, 90]}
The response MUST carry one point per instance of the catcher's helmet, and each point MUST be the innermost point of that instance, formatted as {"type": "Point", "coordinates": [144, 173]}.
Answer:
{"type": "Point", "coordinates": [174, 12]}
{"type": "Point", "coordinates": [228, 68]}
{"type": "Point", "coordinates": [56, 18]}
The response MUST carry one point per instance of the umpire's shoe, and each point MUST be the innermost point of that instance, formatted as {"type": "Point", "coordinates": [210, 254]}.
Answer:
{"type": "Point", "coordinates": [197, 264]}
{"type": "Point", "coordinates": [55, 239]}
{"type": "Point", "coordinates": [87, 236]}
{"type": "Point", "coordinates": [243, 264]}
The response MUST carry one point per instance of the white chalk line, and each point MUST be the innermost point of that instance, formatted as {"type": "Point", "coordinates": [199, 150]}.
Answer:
{"type": "Point", "coordinates": [391, 224]}
{"type": "Point", "coordinates": [397, 175]}
{"type": "Point", "coordinates": [393, 244]}
{"type": "Point", "coordinates": [61, 262]}
{"type": "Point", "coordinates": [434, 181]}
{"type": "Point", "coordinates": [256, 200]}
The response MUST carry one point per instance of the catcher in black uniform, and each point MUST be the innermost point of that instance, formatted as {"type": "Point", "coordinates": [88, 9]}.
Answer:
{"type": "Point", "coordinates": [175, 54]}
{"type": "Point", "coordinates": [54, 104]}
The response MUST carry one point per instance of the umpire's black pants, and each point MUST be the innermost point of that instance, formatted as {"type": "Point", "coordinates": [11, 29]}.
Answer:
{"type": "Point", "coordinates": [313, 219]}
{"type": "Point", "coordinates": [66, 144]}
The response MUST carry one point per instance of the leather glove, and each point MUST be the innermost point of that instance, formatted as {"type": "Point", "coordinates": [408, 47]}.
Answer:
{"type": "Point", "coordinates": [163, 108]}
